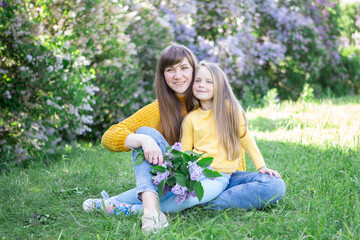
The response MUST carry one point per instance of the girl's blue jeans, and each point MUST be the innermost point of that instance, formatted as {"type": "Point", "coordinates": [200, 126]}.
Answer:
{"type": "Point", "coordinates": [242, 190]}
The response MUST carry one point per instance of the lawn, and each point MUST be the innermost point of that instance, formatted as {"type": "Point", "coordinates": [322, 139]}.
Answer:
{"type": "Point", "coordinates": [315, 146]}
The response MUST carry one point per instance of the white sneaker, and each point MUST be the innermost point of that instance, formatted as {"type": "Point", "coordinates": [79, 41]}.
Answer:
{"type": "Point", "coordinates": [91, 204]}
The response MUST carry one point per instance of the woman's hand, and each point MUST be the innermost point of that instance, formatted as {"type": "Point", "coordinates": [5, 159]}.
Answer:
{"type": "Point", "coordinates": [152, 151]}
{"type": "Point", "coordinates": [271, 172]}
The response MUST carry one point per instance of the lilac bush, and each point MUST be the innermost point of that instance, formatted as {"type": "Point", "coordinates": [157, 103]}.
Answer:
{"type": "Point", "coordinates": [72, 68]}
{"type": "Point", "coordinates": [48, 93]}
{"type": "Point", "coordinates": [261, 44]}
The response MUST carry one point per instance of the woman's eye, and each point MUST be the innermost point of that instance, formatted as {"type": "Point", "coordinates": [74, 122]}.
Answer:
{"type": "Point", "coordinates": [184, 68]}
{"type": "Point", "coordinates": [169, 70]}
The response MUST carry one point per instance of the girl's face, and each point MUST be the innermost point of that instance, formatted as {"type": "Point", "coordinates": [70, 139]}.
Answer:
{"type": "Point", "coordinates": [203, 88]}
{"type": "Point", "coordinates": [179, 76]}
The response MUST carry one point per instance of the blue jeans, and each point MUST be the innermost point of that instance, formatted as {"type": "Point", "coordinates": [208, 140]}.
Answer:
{"type": "Point", "coordinates": [212, 188]}
{"type": "Point", "coordinates": [144, 182]}
{"type": "Point", "coordinates": [249, 190]}
{"type": "Point", "coordinates": [242, 190]}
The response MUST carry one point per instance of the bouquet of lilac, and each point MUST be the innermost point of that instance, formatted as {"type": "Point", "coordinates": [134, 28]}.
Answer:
{"type": "Point", "coordinates": [180, 172]}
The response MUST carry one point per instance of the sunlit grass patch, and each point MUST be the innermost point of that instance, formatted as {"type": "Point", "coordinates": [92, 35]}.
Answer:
{"type": "Point", "coordinates": [316, 123]}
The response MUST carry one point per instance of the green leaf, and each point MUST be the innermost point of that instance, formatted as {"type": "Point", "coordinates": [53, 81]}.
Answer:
{"type": "Point", "coordinates": [181, 179]}
{"type": "Point", "coordinates": [205, 162]}
{"type": "Point", "coordinates": [186, 157]}
{"type": "Point", "coordinates": [171, 181]}
{"type": "Point", "coordinates": [185, 170]}
{"type": "Point", "coordinates": [177, 162]}
{"type": "Point", "coordinates": [176, 153]}
{"type": "Point", "coordinates": [161, 187]}
{"type": "Point", "coordinates": [211, 174]}
{"type": "Point", "coordinates": [194, 158]}
{"type": "Point", "coordinates": [190, 185]}
{"type": "Point", "coordinates": [140, 157]}
{"type": "Point", "coordinates": [158, 169]}
{"type": "Point", "coordinates": [199, 191]}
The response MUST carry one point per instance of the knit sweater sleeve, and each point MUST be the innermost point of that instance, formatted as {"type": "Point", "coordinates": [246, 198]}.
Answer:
{"type": "Point", "coordinates": [187, 138]}
{"type": "Point", "coordinates": [249, 145]}
{"type": "Point", "coordinates": [114, 138]}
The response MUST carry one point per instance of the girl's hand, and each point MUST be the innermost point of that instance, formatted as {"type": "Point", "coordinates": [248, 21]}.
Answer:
{"type": "Point", "coordinates": [264, 170]}
{"type": "Point", "coordinates": [152, 151]}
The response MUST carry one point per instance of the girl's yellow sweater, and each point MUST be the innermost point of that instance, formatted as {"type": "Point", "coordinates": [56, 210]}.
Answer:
{"type": "Point", "coordinates": [200, 137]}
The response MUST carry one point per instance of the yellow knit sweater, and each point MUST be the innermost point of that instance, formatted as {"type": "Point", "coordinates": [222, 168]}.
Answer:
{"type": "Point", "coordinates": [148, 116]}
{"type": "Point", "coordinates": [200, 137]}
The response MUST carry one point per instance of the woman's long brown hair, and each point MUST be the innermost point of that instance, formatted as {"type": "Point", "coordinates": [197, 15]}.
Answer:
{"type": "Point", "coordinates": [170, 105]}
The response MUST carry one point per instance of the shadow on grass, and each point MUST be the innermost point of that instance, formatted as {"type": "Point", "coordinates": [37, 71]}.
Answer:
{"type": "Point", "coordinates": [50, 157]}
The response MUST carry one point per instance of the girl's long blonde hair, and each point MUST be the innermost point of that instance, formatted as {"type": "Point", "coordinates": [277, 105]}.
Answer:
{"type": "Point", "coordinates": [226, 112]}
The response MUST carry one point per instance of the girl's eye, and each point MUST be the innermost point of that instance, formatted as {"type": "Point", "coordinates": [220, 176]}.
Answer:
{"type": "Point", "coordinates": [197, 80]}
{"type": "Point", "coordinates": [209, 81]}
{"type": "Point", "coordinates": [184, 68]}
{"type": "Point", "coordinates": [169, 70]}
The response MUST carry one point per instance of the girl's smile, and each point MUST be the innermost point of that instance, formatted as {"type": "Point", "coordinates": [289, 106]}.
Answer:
{"type": "Point", "coordinates": [203, 88]}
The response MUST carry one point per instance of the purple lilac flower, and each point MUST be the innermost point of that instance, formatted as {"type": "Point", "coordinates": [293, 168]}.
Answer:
{"type": "Point", "coordinates": [180, 199]}
{"type": "Point", "coordinates": [167, 189]}
{"type": "Point", "coordinates": [195, 171]}
{"type": "Point", "coordinates": [161, 176]}
{"type": "Point", "coordinates": [168, 154]}
{"type": "Point", "coordinates": [192, 194]}
{"type": "Point", "coordinates": [165, 164]}
{"type": "Point", "coordinates": [179, 190]}
{"type": "Point", "coordinates": [177, 146]}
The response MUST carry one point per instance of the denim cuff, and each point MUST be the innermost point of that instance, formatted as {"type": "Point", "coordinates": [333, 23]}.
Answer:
{"type": "Point", "coordinates": [145, 189]}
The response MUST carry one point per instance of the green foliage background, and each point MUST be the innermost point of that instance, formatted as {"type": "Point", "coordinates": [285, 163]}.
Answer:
{"type": "Point", "coordinates": [69, 69]}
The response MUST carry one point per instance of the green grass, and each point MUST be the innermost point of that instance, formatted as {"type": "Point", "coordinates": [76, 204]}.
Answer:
{"type": "Point", "coordinates": [315, 146]}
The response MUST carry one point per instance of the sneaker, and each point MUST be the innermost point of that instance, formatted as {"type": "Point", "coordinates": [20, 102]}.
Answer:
{"type": "Point", "coordinates": [154, 222]}
{"type": "Point", "coordinates": [91, 204]}
{"type": "Point", "coordinates": [117, 208]}
{"type": "Point", "coordinates": [111, 206]}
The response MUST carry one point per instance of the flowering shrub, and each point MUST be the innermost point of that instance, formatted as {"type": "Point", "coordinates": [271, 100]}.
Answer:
{"type": "Point", "coordinates": [72, 68]}
{"type": "Point", "coordinates": [263, 44]}
{"type": "Point", "coordinates": [180, 173]}
{"type": "Point", "coordinates": [47, 94]}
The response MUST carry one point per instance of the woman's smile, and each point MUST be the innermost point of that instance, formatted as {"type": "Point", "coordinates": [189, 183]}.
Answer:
{"type": "Point", "coordinates": [179, 76]}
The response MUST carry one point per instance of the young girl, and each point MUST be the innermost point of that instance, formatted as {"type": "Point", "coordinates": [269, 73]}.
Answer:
{"type": "Point", "coordinates": [219, 130]}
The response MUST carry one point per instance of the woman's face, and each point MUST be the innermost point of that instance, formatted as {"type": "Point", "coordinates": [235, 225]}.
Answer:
{"type": "Point", "coordinates": [179, 76]}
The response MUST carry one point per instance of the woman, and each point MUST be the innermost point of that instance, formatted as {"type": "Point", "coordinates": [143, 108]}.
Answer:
{"type": "Point", "coordinates": [173, 82]}
{"type": "Point", "coordinates": [154, 125]}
